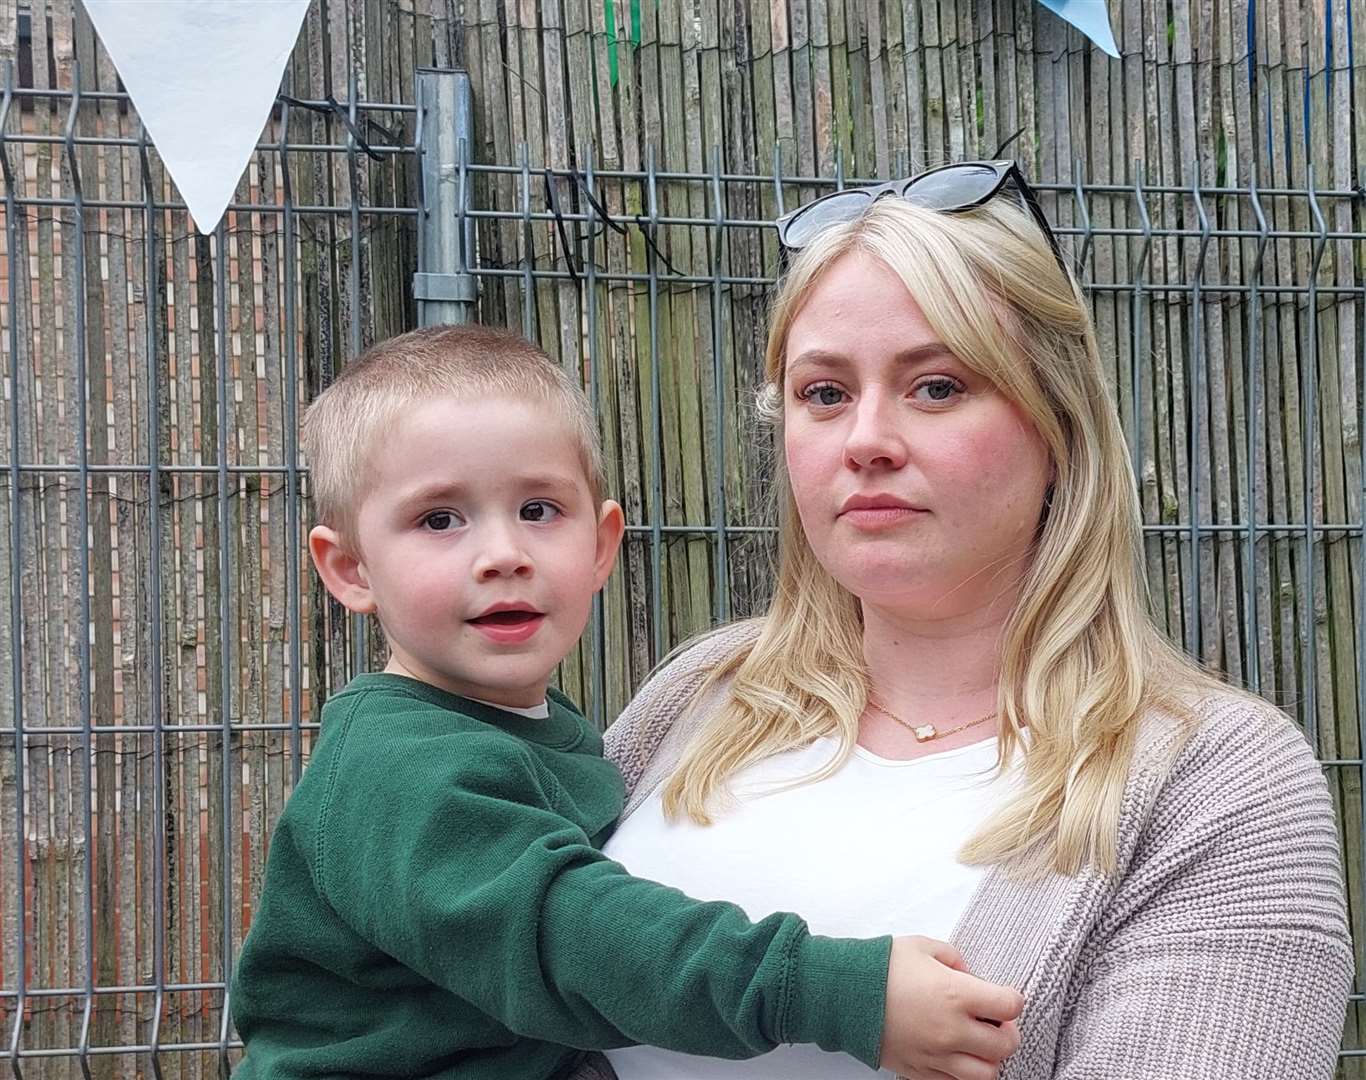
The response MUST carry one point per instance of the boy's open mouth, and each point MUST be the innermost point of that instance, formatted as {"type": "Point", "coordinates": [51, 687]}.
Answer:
{"type": "Point", "coordinates": [509, 624]}
{"type": "Point", "coordinates": [506, 618]}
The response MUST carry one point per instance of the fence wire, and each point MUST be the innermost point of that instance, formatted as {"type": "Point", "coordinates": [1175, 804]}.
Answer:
{"type": "Point", "coordinates": [168, 650]}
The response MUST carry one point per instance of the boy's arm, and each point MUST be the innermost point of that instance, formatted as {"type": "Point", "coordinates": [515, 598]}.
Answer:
{"type": "Point", "coordinates": [461, 868]}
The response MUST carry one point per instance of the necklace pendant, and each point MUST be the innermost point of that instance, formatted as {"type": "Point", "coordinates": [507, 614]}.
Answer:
{"type": "Point", "coordinates": [924, 732]}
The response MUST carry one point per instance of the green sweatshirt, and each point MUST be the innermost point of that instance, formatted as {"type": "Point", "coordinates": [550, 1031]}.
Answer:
{"type": "Point", "coordinates": [435, 905]}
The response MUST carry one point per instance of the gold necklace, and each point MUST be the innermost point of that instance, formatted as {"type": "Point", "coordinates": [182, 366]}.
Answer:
{"type": "Point", "coordinates": [927, 732]}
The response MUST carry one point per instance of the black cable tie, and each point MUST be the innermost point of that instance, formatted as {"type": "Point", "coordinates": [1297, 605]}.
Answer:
{"type": "Point", "coordinates": [1002, 148]}
{"type": "Point", "coordinates": [598, 209]}
{"type": "Point", "coordinates": [333, 106]}
{"type": "Point", "coordinates": [553, 203]}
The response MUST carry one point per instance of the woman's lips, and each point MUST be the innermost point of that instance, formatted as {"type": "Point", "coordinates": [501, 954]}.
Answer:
{"type": "Point", "coordinates": [878, 518]}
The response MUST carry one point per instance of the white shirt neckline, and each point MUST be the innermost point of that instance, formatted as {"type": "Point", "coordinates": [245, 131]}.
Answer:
{"type": "Point", "coordinates": [939, 755]}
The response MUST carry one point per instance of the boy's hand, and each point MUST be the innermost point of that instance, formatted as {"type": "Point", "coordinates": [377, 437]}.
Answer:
{"type": "Point", "coordinates": [941, 1021]}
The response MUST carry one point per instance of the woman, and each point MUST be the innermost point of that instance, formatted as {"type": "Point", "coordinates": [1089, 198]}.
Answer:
{"type": "Point", "coordinates": [957, 692]}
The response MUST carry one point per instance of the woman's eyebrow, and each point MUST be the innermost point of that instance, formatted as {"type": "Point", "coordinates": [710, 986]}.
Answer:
{"type": "Point", "coordinates": [825, 359]}
{"type": "Point", "coordinates": [819, 358]}
{"type": "Point", "coordinates": [930, 350]}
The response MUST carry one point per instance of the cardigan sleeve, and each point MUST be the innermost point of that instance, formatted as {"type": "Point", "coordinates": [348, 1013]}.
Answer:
{"type": "Point", "coordinates": [1225, 950]}
{"type": "Point", "coordinates": [634, 738]}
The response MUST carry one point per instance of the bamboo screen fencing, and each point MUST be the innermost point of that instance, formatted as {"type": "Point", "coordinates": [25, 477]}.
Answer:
{"type": "Point", "coordinates": [1207, 183]}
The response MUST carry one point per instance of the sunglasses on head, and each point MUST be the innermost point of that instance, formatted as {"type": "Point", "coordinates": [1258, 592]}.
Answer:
{"type": "Point", "coordinates": [948, 188]}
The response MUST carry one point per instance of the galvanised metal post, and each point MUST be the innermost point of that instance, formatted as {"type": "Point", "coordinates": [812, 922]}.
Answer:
{"type": "Point", "coordinates": [443, 287]}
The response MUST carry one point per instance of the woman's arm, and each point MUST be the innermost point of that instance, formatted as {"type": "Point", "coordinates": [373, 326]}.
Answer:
{"type": "Point", "coordinates": [1225, 950]}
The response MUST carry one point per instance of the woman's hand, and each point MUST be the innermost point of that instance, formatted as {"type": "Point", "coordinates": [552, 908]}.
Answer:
{"type": "Point", "coordinates": [941, 1021]}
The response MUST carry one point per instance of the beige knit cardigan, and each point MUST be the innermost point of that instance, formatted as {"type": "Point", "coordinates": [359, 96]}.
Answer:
{"type": "Point", "coordinates": [1218, 949]}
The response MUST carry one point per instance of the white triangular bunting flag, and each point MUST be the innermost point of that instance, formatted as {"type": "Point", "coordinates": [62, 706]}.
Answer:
{"type": "Point", "coordinates": [203, 75]}
{"type": "Point", "coordinates": [1091, 17]}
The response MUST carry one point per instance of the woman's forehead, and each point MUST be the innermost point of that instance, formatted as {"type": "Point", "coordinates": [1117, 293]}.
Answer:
{"type": "Point", "coordinates": [853, 270]}
{"type": "Point", "coordinates": [857, 309]}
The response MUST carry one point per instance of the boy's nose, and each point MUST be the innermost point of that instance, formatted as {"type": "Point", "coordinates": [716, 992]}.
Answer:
{"type": "Point", "coordinates": [501, 556]}
{"type": "Point", "coordinates": [502, 566]}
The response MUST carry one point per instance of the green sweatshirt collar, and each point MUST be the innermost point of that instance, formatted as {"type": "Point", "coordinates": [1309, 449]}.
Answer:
{"type": "Point", "coordinates": [561, 730]}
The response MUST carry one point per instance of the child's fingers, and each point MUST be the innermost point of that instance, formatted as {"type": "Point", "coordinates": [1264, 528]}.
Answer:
{"type": "Point", "coordinates": [947, 955]}
{"type": "Point", "coordinates": [1013, 1033]}
{"type": "Point", "coordinates": [991, 1001]}
{"type": "Point", "coordinates": [967, 1067]}
{"type": "Point", "coordinates": [990, 1043]}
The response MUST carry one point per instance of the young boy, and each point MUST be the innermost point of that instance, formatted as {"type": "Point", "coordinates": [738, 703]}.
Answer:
{"type": "Point", "coordinates": [435, 902]}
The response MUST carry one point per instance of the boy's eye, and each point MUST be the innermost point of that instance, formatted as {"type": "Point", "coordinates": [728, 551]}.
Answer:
{"type": "Point", "coordinates": [827, 394]}
{"type": "Point", "coordinates": [440, 520]}
{"type": "Point", "coordinates": [539, 510]}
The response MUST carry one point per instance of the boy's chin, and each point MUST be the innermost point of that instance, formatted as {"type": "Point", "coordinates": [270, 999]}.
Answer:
{"type": "Point", "coordinates": [523, 689]}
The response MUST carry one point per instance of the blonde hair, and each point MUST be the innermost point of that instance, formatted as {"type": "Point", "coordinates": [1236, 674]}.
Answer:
{"type": "Point", "coordinates": [343, 424]}
{"type": "Point", "coordinates": [1081, 659]}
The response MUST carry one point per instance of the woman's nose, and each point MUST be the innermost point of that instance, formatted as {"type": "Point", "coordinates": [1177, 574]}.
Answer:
{"type": "Point", "coordinates": [501, 555]}
{"type": "Point", "coordinates": [875, 438]}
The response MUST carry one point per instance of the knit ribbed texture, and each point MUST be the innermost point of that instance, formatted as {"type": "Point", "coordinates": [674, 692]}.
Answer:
{"type": "Point", "coordinates": [1219, 949]}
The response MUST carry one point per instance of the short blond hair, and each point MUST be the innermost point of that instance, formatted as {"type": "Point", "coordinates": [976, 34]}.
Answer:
{"type": "Point", "coordinates": [342, 425]}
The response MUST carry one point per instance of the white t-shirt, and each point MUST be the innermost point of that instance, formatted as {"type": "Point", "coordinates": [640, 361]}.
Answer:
{"type": "Point", "coordinates": [870, 850]}
{"type": "Point", "coordinates": [531, 712]}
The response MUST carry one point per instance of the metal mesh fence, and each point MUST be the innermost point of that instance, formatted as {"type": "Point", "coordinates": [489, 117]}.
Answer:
{"type": "Point", "coordinates": [167, 650]}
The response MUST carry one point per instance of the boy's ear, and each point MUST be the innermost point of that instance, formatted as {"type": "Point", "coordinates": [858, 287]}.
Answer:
{"type": "Point", "coordinates": [611, 526]}
{"type": "Point", "coordinates": [341, 571]}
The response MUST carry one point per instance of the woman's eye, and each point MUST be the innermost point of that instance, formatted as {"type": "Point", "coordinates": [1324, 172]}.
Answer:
{"type": "Point", "coordinates": [539, 510]}
{"type": "Point", "coordinates": [939, 390]}
{"type": "Point", "coordinates": [440, 520]}
{"type": "Point", "coordinates": [826, 394]}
